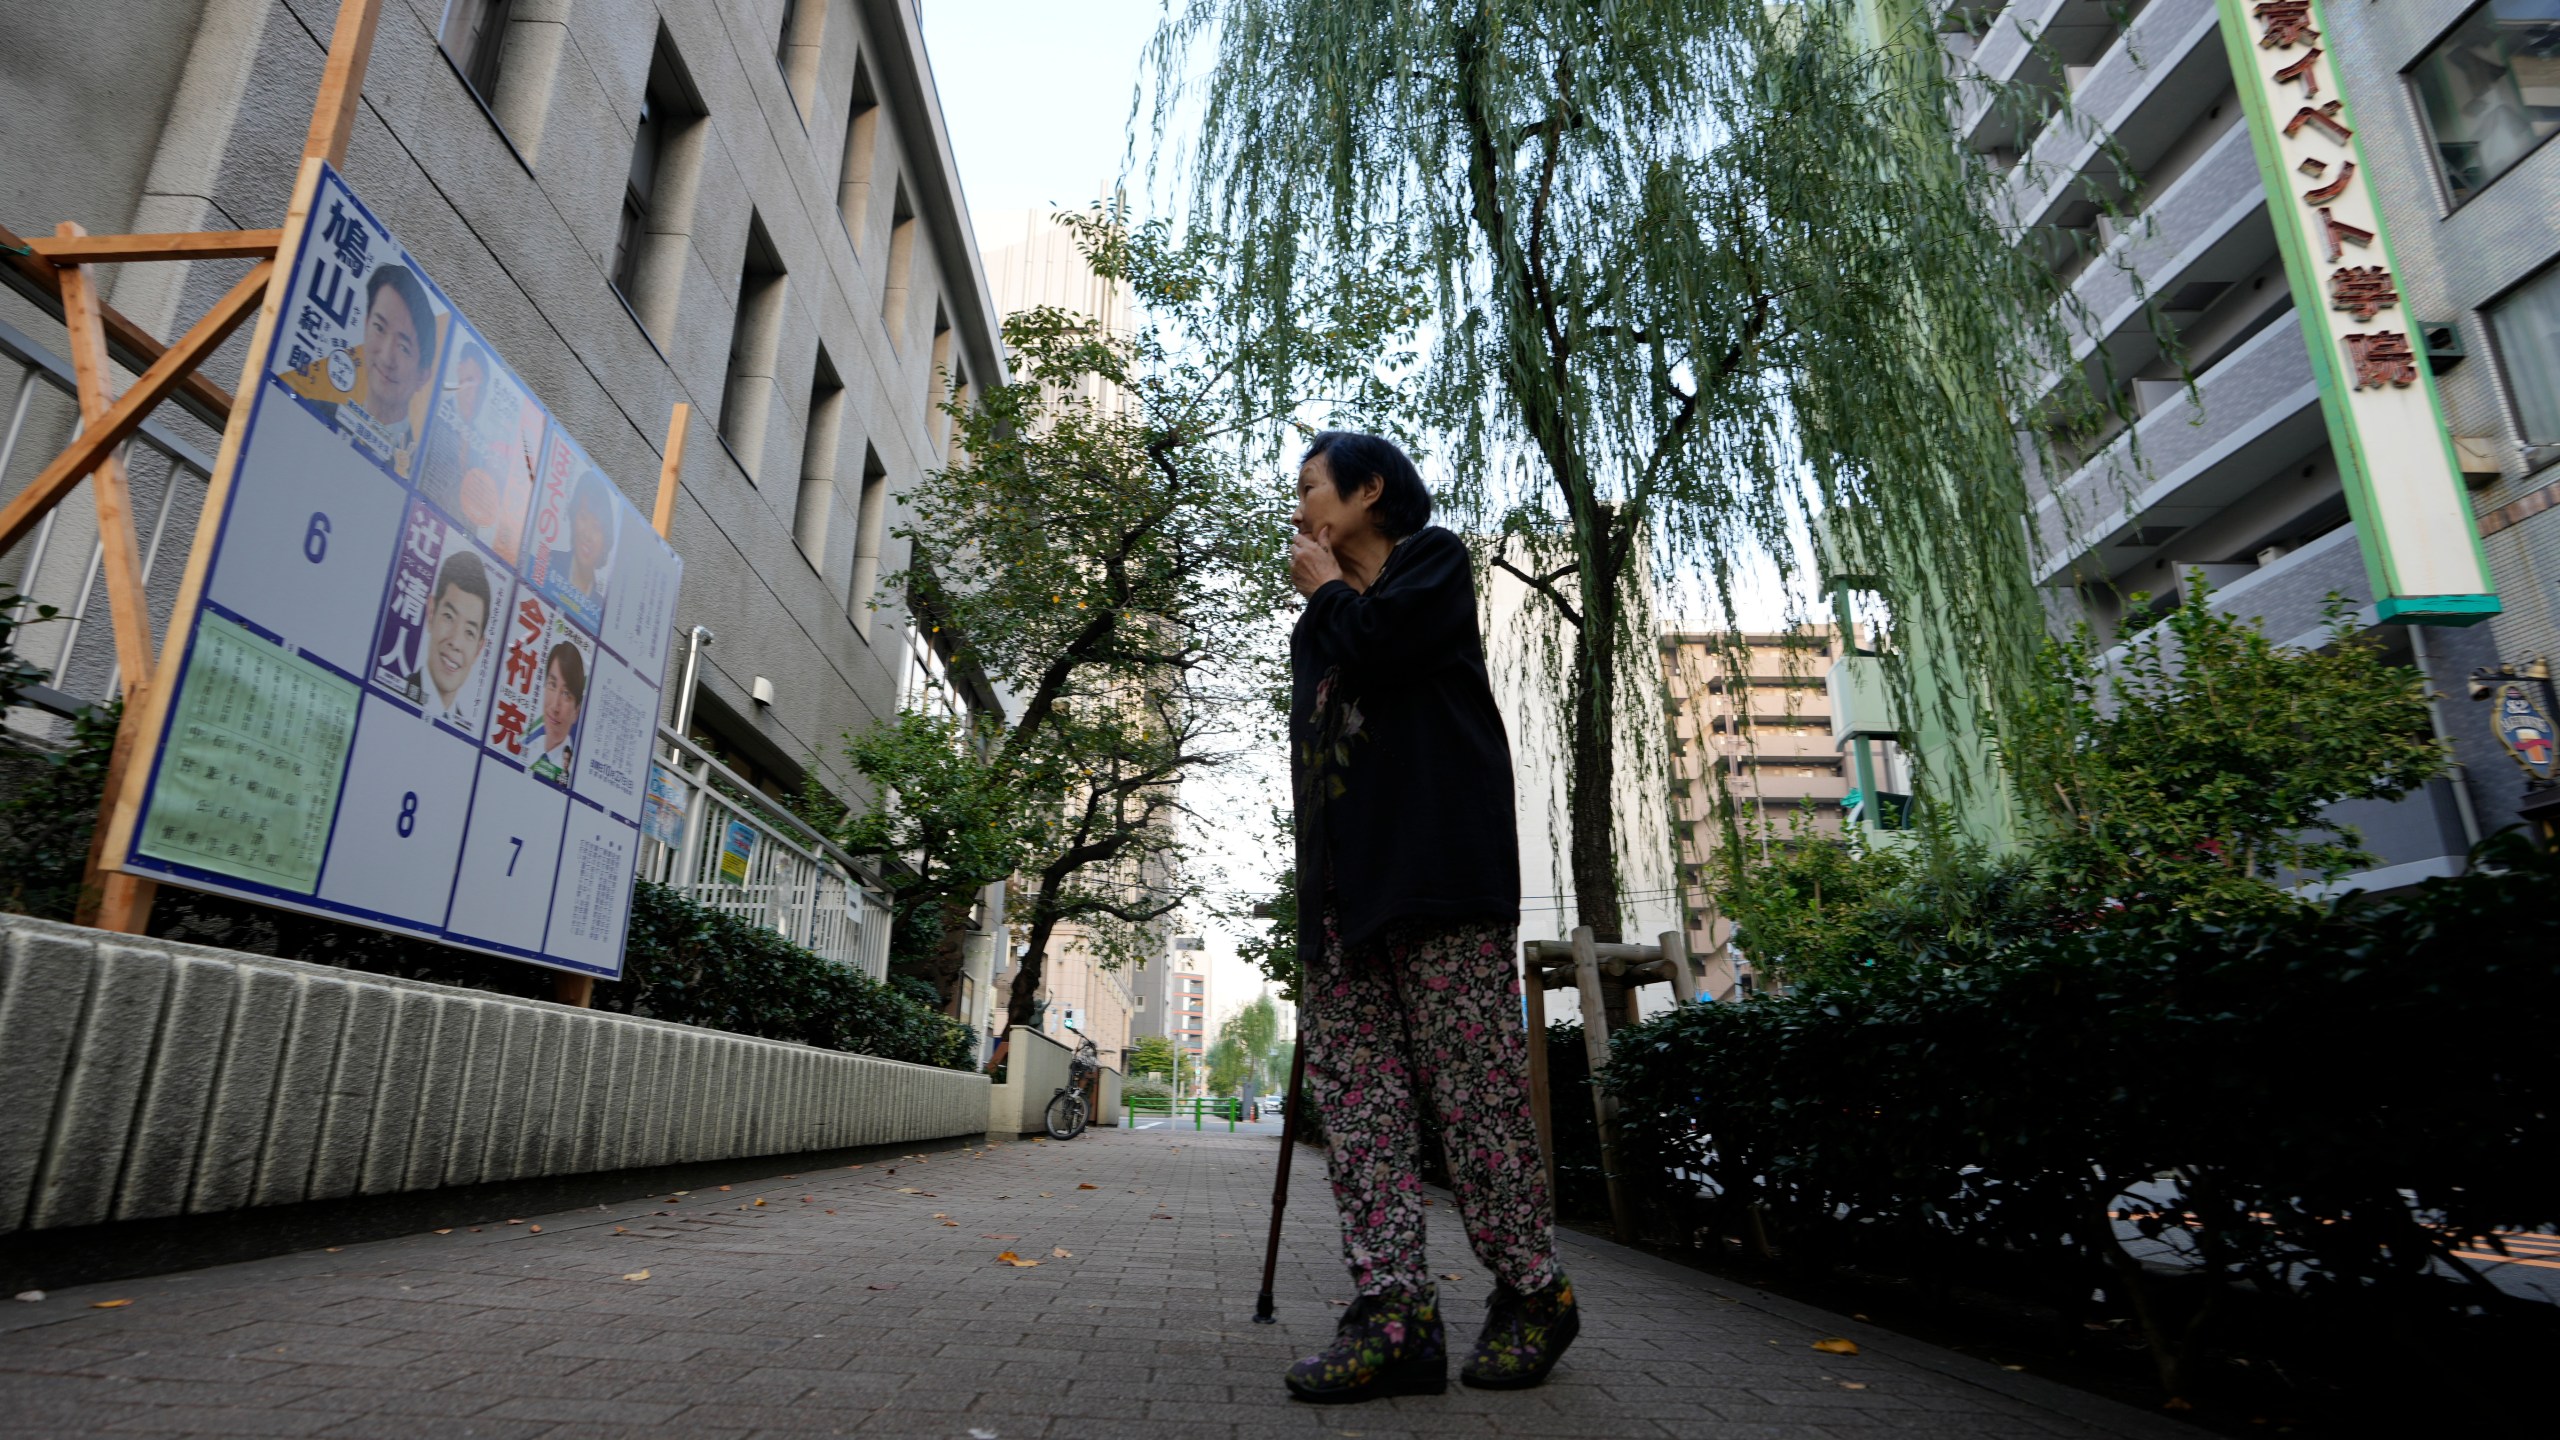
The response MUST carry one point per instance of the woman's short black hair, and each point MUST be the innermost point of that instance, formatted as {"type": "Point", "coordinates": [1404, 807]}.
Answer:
{"type": "Point", "coordinates": [1404, 506]}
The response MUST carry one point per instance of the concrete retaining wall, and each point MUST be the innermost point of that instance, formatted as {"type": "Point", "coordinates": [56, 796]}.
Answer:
{"type": "Point", "coordinates": [1035, 1067]}
{"type": "Point", "coordinates": [143, 1078]}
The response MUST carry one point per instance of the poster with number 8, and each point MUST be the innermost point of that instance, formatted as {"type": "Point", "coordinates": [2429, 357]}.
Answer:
{"type": "Point", "coordinates": [381, 666]}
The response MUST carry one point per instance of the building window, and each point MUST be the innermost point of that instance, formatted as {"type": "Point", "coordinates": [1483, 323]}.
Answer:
{"type": "Point", "coordinates": [656, 191]}
{"type": "Point", "coordinates": [473, 35]}
{"type": "Point", "coordinates": [927, 684]}
{"type": "Point", "coordinates": [861, 137]}
{"type": "Point", "coordinates": [814, 516]}
{"type": "Point", "coordinates": [796, 43]}
{"type": "Point", "coordinates": [2490, 90]}
{"type": "Point", "coordinates": [2527, 323]}
{"type": "Point", "coordinates": [871, 519]}
{"type": "Point", "coordinates": [902, 259]}
{"type": "Point", "coordinates": [746, 396]}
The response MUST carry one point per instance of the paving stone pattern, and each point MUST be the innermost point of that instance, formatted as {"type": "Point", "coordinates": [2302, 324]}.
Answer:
{"type": "Point", "coordinates": [844, 1304]}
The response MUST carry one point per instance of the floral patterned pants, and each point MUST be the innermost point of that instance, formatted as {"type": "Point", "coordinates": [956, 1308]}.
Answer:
{"type": "Point", "coordinates": [1430, 1013]}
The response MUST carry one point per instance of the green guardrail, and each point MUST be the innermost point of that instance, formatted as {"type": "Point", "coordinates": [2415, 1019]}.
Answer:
{"type": "Point", "coordinates": [1202, 1109]}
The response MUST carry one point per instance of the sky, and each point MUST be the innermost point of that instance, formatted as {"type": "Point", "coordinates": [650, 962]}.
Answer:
{"type": "Point", "coordinates": [1036, 94]}
{"type": "Point", "coordinates": [1036, 98]}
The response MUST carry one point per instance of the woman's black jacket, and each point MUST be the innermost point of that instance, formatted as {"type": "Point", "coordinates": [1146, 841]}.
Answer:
{"type": "Point", "coordinates": [1400, 763]}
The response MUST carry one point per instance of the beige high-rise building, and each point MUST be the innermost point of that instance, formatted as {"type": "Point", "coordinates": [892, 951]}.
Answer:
{"type": "Point", "coordinates": [1757, 736]}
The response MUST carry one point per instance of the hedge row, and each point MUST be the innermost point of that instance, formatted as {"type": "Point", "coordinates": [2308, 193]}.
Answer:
{"type": "Point", "coordinates": [2322, 1109]}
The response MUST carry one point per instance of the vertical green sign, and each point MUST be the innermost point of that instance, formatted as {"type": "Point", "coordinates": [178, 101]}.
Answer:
{"type": "Point", "coordinates": [2404, 486]}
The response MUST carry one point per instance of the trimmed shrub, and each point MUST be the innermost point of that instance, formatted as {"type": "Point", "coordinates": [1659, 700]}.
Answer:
{"type": "Point", "coordinates": [2314, 1111]}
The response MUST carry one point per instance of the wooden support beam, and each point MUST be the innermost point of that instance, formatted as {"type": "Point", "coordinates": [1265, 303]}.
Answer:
{"type": "Point", "coordinates": [1595, 1048]}
{"type": "Point", "coordinates": [123, 554]}
{"type": "Point", "coordinates": [333, 111]}
{"type": "Point", "coordinates": [180, 245]}
{"type": "Point", "coordinates": [1675, 956]}
{"type": "Point", "coordinates": [99, 438]}
{"type": "Point", "coordinates": [114, 901]}
{"type": "Point", "coordinates": [130, 344]}
{"type": "Point", "coordinates": [671, 468]}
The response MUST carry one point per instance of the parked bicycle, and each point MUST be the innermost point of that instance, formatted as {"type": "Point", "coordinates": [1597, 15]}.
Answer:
{"type": "Point", "coordinates": [1069, 1110]}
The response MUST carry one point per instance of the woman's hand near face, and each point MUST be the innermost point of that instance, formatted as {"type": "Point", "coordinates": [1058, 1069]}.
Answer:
{"type": "Point", "coordinates": [1311, 561]}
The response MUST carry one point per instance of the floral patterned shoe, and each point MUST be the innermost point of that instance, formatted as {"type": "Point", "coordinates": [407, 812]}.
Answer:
{"type": "Point", "coordinates": [1524, 1336]}
{"type": "Point", "coordinates": [1388, 1345]}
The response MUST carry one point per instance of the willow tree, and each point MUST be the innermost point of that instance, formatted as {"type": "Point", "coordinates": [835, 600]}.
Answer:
{"type": "Point", "coordinates": [1707, 272]}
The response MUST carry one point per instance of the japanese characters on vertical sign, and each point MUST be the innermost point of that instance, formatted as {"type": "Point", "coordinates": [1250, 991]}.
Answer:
{"type": "Point", "coordinates": [419, 594]}
{"type": "Point", "coordinates": [2404, 488]}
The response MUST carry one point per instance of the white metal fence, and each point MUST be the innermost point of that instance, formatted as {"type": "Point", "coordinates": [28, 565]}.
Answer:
{"type": "Point", "coordinates": [757, 861]}
{"type": "Point", "coordinates": [167, 477]}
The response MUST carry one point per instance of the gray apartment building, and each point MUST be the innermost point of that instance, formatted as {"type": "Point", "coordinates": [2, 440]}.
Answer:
{"type": "Point", "coordinates": [748, 205]}
{"type": "Point", "coordinates": [2241, 479]}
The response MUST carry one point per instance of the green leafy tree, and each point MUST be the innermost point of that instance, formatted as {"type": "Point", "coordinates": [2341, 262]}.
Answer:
{"type": "Point", "coordinates": [1228, 1065]}
{"type": "Point", "coordinates": [2197, 765]}
{"type": "Point", "coordinates": [2191, 770]}
{"type": "Point", "coordinates": [1825, 910]}
{"type": "Point", "coordinates": [1703, 269]}
{"type": "Point", "coordinates": [1110, 548]}
{"type": "Point", "coordinates": [957, 826]}
{"type": "Point", "coordinates": [1152, 1055]}
{"type": "Point", "coordinates": [1272, 945]}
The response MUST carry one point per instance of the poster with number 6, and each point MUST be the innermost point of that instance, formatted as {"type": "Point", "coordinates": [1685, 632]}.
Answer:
{"type": "Point", "coordinates": [376, 697]}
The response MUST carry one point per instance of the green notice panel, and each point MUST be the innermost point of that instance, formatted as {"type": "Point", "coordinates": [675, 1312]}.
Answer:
{"type": "Point", "coordinates": [249, 778]}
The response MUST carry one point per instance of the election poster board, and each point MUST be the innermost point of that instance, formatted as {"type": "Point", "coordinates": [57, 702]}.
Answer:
{"type": "Point", "coordinates": [418, 664]}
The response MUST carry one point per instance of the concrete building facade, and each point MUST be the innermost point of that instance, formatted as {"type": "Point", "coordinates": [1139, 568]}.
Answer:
{"type": "Point", "coordinates": [752, 207]}
{"type": "Point", "coordinates": [1756, 736]}
{"type": "Point", "coordinates": [2236, 478]}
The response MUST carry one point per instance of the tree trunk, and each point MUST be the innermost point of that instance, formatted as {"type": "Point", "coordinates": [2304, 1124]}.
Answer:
{"type": "Point", "coordinates": [1591, 809]}
{"type": "Point", "coordinates": [1035, 957]}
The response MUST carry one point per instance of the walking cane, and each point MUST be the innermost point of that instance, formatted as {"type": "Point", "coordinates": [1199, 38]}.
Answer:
{"type": "Point", "coordinates": [1280, 1187]}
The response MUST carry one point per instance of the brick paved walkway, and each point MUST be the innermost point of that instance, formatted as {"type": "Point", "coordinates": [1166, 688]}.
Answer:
{"type": "Point", "coordinates": [844, 1303]}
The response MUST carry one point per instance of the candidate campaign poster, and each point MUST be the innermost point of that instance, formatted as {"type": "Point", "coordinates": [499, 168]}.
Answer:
{"type": "Point", "coordinates": [418, 681]}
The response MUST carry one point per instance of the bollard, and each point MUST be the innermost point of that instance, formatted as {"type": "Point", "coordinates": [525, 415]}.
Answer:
{"type": "Point", "coordinates": [1232, 1107]}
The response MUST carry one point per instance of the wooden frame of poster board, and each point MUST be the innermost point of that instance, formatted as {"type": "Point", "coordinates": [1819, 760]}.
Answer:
{"type": "Point", "coordinates": [112, 899]}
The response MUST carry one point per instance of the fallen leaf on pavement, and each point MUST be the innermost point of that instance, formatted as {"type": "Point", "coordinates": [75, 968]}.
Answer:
{"type": "Point", "coordinates": [831, 1212]}
{"type": "Point", "coordinates": [1453, 1275]}
{"type": "Point", "coordinates": [533, 1229]}
{"type": "Point", "coordinates": [637, 1275]}
{"type": "Point", "coordinates": [977, 1432]}
{"type": "Point", "coordinates": [759, 1199]}
{"type": "Point", "coordinates": [446, 1231]}
{"type": "Point", "coordinates": [1007, 1257]}
{"type": "Point", "coordinates": [1836, 1346]}
{"type": "Point", "coordinates": [109, 1304]}
{"type": "Point", "coordinates": [621, 1230]}
{"type": "Point", "coordinates": [1159, 1216]}
{"type": "Point", "coordinates": [909, 1190]}
{"type": "Point", "coordinates": [2016, 1367]}
{"type": "Point", "coordinates": [515, 1222]}
{"type": "Point", "coordinates": [1337, 1302]}
{"type": "Point", "coordinates": [332, 1249]}
{"type": "Point", "coordinates": [1088, 1187]}
{"type": "Point", "coordinates": [950, 1224]}
{"type": "Point", "coordinates": [724, 1187]}
{"type": "Point", "coordinates": [1045, 1195]}
{"type": "Point", "coordinates": [1853, 1384]}
{"type": "Point", "coordinates": [1062, 1252]}
{"type": "Point", "coordinates": [805, 1199]}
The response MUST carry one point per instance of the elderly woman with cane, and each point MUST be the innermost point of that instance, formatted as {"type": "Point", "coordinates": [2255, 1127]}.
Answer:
{"type": "Point", "coordinates": [1409, 884]}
